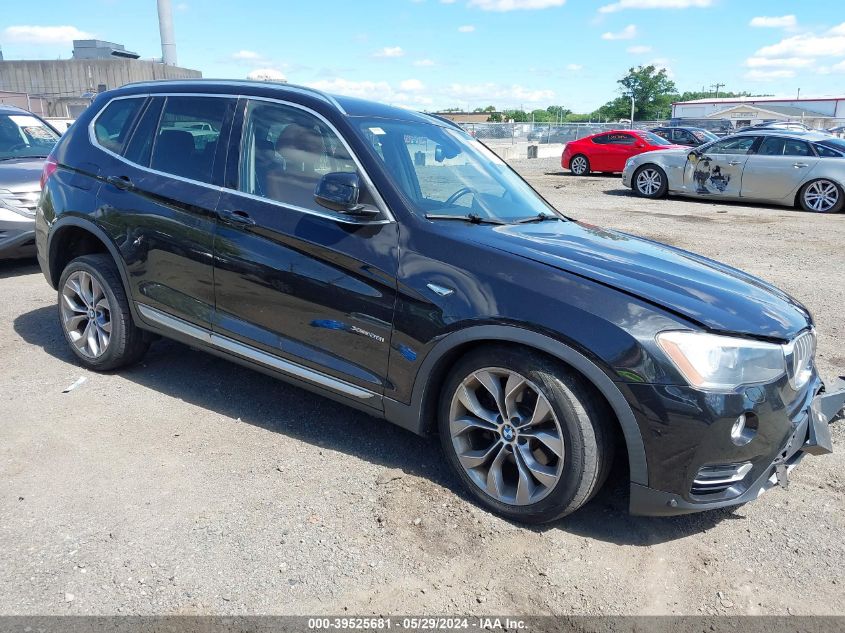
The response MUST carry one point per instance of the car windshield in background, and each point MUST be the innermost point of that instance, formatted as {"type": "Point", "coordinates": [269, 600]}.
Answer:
{"type": "Point", "coordinates": [25, 136]}
{"type": "Point", "coordinates": [654, 139]}
{"type": "Point", "coordinates": [444, 171]}
{"type": "Point", "coordinates": [704, 136]}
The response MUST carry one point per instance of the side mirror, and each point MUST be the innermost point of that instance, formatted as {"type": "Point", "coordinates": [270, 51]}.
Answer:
{"type": "Point", "coordinates": [339, 191]}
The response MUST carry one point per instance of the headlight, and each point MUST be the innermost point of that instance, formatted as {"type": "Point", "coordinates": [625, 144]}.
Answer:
{"type": "Point", "coordinates": [722, 363]}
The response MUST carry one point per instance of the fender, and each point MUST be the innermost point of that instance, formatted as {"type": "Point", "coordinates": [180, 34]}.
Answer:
{"type": "Point", "coordinates": [90, 226]}
{"type": "Point", "coordinates": [411, 416]}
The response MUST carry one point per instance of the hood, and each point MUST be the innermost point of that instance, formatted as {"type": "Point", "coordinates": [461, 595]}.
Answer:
{"type": "Point", "coordinates": [21, 174]}
{"type": "Point", "coordinates": [715, 296]}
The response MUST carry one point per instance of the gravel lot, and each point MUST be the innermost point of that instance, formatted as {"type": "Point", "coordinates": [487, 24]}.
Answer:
{"type": "Point", "coordinates": [189, 485]}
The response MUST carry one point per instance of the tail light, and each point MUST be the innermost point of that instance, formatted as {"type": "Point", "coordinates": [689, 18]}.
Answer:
{"type": "Point", "coordinates": [50, 166]}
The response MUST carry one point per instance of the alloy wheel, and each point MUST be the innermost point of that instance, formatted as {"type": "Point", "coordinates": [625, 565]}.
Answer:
{"type": "Point", "coordinates": [578, 165]}
{"type": "Point", "coordinates": [506, 436]}
{"type": "Point", "coordinates": [86, 314]}
{"type": "Point", "coordinates": [821, 196]}
{"type": "Point", "coordinates": [649, 181]}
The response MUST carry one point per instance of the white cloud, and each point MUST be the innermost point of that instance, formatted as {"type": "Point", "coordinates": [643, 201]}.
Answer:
{"type": "Point", "coordinates": [768, 75]}
{"type": "Point", "coordinates": [779, 62]}
{"type": "Point", "coordinates": [44, 34]}
{"type": "Point", "coordinates": [241, 55]}
{"type": "Point", "coordinates": [497, 92]}
{"type": "Point", "coordinates": [424, 63]}
{"type": "Point", "coordinates": [411, 85]}
{"type": "Point", "coordinates": [266, 74]}
{"type": "Point", "coordinates": [390, 51]}
{"type": "Point", "coordinates": [774, 22]}
{"type": "Point", "coordinates": [628, 33]}
{"type": "Point", "coordinates": [830, 43]}
{"type": "Point", "coordinates": [514, 5]}
{"type": "Point", "coordinates": [467, 28]}
{"type": "Point", "coordinates": [574, 67]}
{"type": "Point", "coordinates": [621, 5]}
{"type": "Point", "coordinates": [638, 50]}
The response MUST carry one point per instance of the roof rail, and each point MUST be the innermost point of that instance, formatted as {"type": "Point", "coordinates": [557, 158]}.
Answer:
{"type": "Point", "coordinates": [328, 98]}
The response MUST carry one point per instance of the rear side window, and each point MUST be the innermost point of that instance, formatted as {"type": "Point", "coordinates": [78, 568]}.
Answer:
{"type": "Point", "coordinates": [620, 139]}
{"type": "Point", "coordinates": [112, 126]}
{"type": "Point", "coordinates": [187, 137]}
{"type": "Point", "coordinates": [140, 145]}
{"type": "Point", "coordinates": [826, 152]}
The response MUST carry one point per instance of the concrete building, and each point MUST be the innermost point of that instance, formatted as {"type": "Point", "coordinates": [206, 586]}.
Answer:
{"type": "Point", "coordinates": [68, 85]}
{"type": "Point", "coordinates": [815, 112]}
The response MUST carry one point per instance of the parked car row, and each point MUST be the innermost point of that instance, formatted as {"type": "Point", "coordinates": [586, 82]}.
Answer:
{"type": "Point", "coordinates": [309, 237]}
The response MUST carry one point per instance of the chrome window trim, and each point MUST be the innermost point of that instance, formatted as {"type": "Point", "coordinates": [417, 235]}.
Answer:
{"type": "Point", "coordinates": [261, 357]}
{"type": "Point", "coordinates": [388, 218]}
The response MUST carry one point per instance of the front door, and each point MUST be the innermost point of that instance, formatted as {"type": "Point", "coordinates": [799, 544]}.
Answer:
{"type": "Point", "coordinates": [717, 171]}
{"type": "Point", "coordinates": [778, 168]}
{"type": "Point", "coordinates": [160, 199]}
{"type": "Point", "coordinates": [298, 287]}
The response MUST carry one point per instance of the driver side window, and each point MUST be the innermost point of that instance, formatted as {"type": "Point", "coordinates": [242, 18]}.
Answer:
{"type": "Point", "coordinates": [741, 145]}
{"type": "Point", "coordinates": [285, 152]}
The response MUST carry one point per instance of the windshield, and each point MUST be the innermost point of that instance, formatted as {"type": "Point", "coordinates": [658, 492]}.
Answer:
{"type": "Point", "coordinates": [25, 136]}
{"type": "Point", "coordinates": [445, 171]}
{"type": "Point", "coordinates": [653, 139]}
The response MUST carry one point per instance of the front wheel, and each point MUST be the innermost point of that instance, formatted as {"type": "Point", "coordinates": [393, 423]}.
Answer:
{"type": "Point", "coordinates": [650, 182]}
{"type": "Point", "coordinates": [94, 314]}
{"type": "Point", "coordinates": [821, 196]}
{"type": "Point", "coordinates": [528, 438]}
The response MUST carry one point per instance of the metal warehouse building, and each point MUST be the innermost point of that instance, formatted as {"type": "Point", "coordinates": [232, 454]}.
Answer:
{"type": "Point", "coordinates": [815, 112]}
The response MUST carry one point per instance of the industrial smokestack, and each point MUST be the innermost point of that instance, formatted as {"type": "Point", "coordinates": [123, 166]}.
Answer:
{"type": "Point", "coordinates": [165, 26]}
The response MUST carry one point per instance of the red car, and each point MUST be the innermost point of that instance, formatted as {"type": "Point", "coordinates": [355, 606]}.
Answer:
{"type": "Point", "coordinates": [608, 151]}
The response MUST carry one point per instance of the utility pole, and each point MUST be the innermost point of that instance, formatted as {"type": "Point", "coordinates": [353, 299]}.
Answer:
{"type": "Point", "coordinates": [716, 86]}
{"type": "Point", "coordinates": [632, 109]}
{"type": "Point", "coordinates": [798, 96]}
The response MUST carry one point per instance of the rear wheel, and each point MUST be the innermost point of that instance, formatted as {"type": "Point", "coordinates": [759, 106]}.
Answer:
{"type": "Point", "coordinates": [821, 196]}
{"type": "Point", "coordinates": [94, 314]}
{"type": "Point", "coordinates": [579, 165]}
{"type": "Point", "coordinates": [529, 438]}
{"type": "Point", "coordinates": [650, 182]}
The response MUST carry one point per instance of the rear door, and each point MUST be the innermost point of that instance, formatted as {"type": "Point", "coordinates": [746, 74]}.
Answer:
{"type": "Point", "coordinates": [298, 287]}
{"type": "Point", "coordinates": [778, 168]}
{"type": "Point", "coordinates": [160, 197]}
{"type": "Point", "coordinates": [717, 171]}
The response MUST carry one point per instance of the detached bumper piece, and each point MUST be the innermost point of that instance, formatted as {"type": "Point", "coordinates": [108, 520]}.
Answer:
{"type": "Point", "coordinates": [811, 436]}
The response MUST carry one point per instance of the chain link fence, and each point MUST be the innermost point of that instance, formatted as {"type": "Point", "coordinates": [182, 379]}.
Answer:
{"type": "Point", "coordinates": [540, 133]}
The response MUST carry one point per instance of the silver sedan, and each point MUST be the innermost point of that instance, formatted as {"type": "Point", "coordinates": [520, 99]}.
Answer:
{"type": "Point", "coordinates": [774, 166]}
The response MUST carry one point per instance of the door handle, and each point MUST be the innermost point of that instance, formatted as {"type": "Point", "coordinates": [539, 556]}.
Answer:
{"type": "Point", "coordinates": [799, 165]}
{"type": "Point", "coordinates": [735, 162]}
{"type": "Point", "coordinates": [236, 217]}
{"type": "Point", "coordinates": [121, 182]}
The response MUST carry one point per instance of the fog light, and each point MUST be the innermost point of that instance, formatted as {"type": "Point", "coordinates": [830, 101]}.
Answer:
{"type": "Point", "coordinates": [744, 429]}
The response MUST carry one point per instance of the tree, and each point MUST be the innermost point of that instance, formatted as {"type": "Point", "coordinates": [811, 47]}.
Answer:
{"type": "Point", "coordinates": [652, 90]}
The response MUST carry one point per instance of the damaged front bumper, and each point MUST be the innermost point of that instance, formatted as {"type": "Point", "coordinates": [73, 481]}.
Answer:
{"type": "Point", "coordinates": [810, 436]}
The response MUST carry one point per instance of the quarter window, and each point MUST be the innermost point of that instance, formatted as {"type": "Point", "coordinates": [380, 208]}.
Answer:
{"type": "Point", "coordinates": [826, 152]}
{"type": "Point", "coordinates": [187, 137]}
{"type": "Point", "coordinates": [620, 139]}
{"type": "Point", "coordinates": [285, 152]}
{"type": "Point", "coordinates": [112, 126]}
{"type": "Point", "coordinates": [601, 139]}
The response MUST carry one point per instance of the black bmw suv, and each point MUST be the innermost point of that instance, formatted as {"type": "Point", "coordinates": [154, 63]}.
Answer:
{"type": "Point", "coordinates": [389, 260]}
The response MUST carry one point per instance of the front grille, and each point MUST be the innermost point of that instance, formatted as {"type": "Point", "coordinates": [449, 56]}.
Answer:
{"type": "Point", "coordinates": [799, 358]}
{"type": "Point", "coordinates": [24, 201]}
{"type": "Point", "coordinates": [717, 478]}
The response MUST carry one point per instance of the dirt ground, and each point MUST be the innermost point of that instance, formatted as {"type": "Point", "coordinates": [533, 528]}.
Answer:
{"type": "Point", "coordinates": [189, 485]}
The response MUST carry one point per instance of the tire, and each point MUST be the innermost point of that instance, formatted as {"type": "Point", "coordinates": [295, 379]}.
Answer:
{"type": "Point", "coordinates": [821, 196]}
{"type": "Point", "coordinates": [649, 181]}
{"type": "Point", "coordinates": [579, 165]}
{"type": "Point", "coordinates": [490, 457]}
{"type": "Point", "coordinates": [95, 317]}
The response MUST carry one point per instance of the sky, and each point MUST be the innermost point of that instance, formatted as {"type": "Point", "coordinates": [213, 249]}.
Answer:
{"type": "Point", "coordinates": [434, 54]}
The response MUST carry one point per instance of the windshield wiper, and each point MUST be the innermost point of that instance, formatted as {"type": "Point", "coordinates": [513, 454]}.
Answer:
{"type": "Point", "coordinates": [473, 218]}
{"type": "Point", "coordinates": [540, 217]}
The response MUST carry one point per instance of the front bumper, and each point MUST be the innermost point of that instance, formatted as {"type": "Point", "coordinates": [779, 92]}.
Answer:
{"type": "Point", "coordinates": [810, 435]}
{"type": "Point", "coordinates": [17, 235]}
{"type": "Point", "coordinates": [627, 172]}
